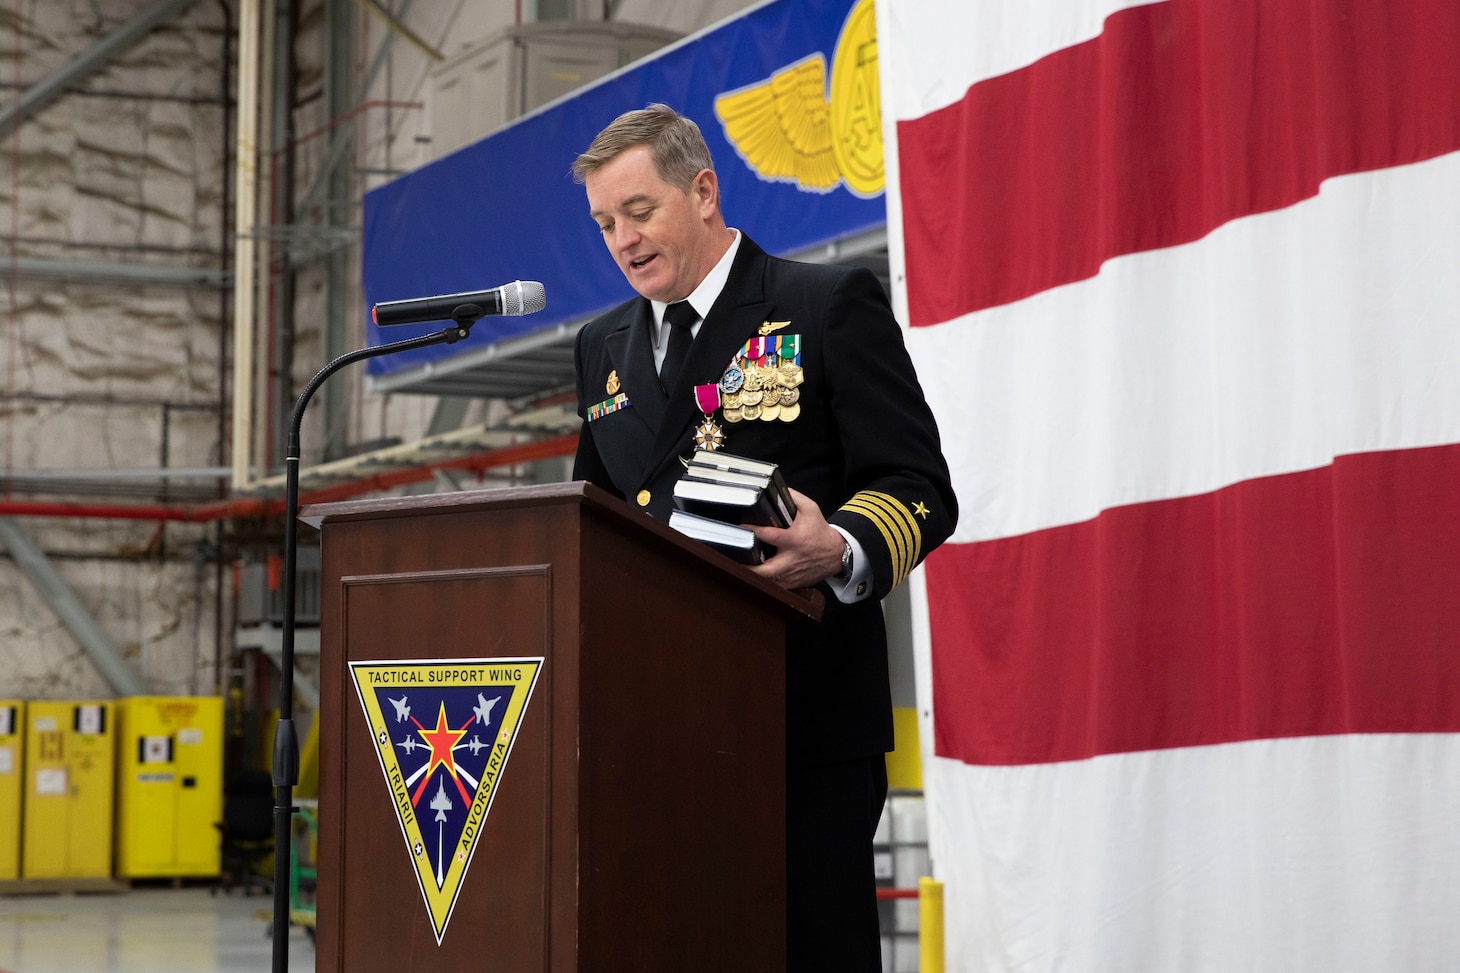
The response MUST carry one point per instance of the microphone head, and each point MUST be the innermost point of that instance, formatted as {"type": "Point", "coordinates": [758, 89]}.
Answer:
{"type": "Point", "coordinates": [523, 297]}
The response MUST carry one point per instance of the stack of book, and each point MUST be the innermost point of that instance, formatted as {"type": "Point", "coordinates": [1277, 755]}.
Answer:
{"type": "Point", "coordinates": [720, 492]}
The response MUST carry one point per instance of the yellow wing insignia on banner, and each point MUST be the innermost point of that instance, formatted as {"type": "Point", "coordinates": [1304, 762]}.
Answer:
{"type": "Point", "coordinates": [788, 128]}
{"type": "Point", "coordinates": [782, 126]}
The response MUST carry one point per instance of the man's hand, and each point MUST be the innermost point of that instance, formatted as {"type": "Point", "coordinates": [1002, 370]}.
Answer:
{"type": "Point", "coordinates": [808, 551]}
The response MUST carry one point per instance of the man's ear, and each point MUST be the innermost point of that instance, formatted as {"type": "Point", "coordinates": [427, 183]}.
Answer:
{"type": "Point", "coordinates": [706, 191]}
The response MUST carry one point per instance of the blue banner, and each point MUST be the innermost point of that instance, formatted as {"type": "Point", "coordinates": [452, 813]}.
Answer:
{"type": "Point", "coordinates": [786, 96]}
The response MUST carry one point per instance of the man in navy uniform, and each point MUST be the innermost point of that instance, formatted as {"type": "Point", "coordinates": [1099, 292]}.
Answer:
{"type": "Point", "coordinates": [802, 365]}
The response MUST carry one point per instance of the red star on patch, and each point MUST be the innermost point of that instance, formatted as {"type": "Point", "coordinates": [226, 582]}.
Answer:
{"type": "Point", "coordinates": [442, 740]}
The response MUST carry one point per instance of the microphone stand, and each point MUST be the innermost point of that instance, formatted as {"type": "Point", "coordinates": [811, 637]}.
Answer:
{"type": "Point", "coordinates": [286, 741]}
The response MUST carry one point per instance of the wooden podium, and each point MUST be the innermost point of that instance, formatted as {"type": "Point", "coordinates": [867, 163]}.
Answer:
{"type": "Point", "coordinates": [638, 823]}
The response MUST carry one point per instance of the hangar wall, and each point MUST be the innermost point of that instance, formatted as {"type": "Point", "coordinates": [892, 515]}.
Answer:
{"type": "Point", "coordinates": [111, 371]}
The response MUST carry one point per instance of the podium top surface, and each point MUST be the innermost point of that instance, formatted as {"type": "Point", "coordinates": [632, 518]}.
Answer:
{"type": "Point", "coordinates": [808, 603]}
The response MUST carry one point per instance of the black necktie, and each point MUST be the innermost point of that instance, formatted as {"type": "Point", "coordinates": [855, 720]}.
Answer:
{"type": "Point", "coordinates": [681, 317]}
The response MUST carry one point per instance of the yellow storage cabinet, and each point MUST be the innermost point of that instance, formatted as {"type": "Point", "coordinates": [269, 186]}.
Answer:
{"type": "Point", "coordinates": [169, 786]}
{"type": "Point", "coordinates": [70, 754]}
{"type": "Point", "coordinates": [12, 757]}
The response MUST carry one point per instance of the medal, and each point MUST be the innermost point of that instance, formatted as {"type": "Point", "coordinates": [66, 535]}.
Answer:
{"type": "Point", "coordinates": [761, 381]}
{"type": "Point", "coordinates": [612, 387]}
{"type": "Point", "coordinates": [708, 434]}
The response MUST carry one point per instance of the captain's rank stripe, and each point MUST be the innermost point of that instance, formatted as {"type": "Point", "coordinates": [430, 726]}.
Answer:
{"type": "Point", "coordinates": [898, 526]}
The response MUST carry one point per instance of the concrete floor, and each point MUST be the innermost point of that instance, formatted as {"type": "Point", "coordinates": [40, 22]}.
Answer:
{"type": "Point", "coordinates": [143, 931]}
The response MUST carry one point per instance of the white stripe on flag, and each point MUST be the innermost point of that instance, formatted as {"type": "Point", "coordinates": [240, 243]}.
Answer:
{"type": "Point", "coordinates": [1272, 345]}
{"type": "Point", "coordinates": [1262, 856]}
{"type": "Point", "coordinates": [993, 39]}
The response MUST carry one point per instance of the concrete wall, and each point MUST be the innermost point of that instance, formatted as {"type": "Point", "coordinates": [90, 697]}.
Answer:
{"type": "Point", "coordinates": [127, 169]}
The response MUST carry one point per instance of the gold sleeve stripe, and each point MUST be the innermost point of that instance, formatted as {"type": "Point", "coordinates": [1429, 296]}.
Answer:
{"type": "Point", "coordinates": [898, 519]}
{"type": "Point", "coordinates": [893, 544]}
{"type": "Point", "coordinates": [904, 517]}
{"type": "Point", "coordinates": [898, 541]}
{"type": "Point", "coordinates": [898, 527]}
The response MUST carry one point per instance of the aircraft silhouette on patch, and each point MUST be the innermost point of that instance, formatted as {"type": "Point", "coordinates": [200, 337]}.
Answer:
{"type": "Point", "coordinates": [483, 709]}
{"type": "Point", "coordinates": [440, 784]}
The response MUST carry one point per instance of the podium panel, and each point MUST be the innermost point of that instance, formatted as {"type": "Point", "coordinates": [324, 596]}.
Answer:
{"type": "Point", "coordinates": [638, 820]}
{"type": "Point", "coordinates": [475, 613]}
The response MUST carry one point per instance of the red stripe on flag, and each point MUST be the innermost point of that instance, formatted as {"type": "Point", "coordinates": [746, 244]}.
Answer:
{"type": "Point", "coordinates": [1179, 117]}
{"type": "Point", "coordinates": [1309, 603]}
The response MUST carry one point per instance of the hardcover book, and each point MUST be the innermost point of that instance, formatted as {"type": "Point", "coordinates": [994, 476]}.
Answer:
{"type": "Point", "coordinates": [736, 542]}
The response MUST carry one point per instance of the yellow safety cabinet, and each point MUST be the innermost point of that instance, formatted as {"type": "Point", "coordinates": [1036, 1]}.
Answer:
{"type": "Point", "coordinates": [70, 753]}
{"type": "Point", "coordinates": [12, 756]}
{"type": "Point", "coordinates": [169, 786]}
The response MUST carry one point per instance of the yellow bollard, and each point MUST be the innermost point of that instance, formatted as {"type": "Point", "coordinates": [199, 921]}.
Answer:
{"type": "Point", "coordinates": [930, 925]}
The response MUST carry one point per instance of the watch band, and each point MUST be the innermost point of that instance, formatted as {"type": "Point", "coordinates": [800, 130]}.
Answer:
{"type": "Point", "coordinates": [846, 572]}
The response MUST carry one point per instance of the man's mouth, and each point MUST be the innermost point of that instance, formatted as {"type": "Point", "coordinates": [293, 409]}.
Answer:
{"type": "Point", "coordinates": [638, 262]}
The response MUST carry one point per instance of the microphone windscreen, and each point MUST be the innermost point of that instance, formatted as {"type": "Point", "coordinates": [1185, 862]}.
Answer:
{"type": "Point", "coordinates": [523, 297]}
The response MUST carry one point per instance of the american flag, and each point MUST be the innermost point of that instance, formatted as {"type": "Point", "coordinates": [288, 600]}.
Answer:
{"type": "Point", "coordinates": [1184, 286]}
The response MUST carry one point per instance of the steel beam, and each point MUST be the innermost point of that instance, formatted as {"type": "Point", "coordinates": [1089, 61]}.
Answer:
{"type": "Point", "coordinates": [34, 564]}
{"type": "Point", "coordinates": [40, 95]}
{"type": "Point", "coordinates": [98, 270]}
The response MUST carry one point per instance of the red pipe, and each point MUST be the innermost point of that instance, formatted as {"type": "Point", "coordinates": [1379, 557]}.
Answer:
{"type": "Point", "coordinates": [897, 893]}
{"type": "Point", "coordinates": [256, 507]}
{"type": "Point", "coordinates": [22, 508]}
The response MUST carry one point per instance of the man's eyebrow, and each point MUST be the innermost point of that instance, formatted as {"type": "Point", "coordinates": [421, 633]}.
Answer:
{"type": "Point", "coordinates": [633, 200]}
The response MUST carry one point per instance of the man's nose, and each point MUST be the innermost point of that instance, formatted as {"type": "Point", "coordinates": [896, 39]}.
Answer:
{"type": "Point", "coordinates": [624, 236]}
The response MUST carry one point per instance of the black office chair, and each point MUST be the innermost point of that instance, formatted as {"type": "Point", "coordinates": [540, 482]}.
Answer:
{"type": "Point", "coordinates": [248, 832]}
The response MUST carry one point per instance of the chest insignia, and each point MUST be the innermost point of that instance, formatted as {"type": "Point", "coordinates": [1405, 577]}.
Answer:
{"type": "Point", "coordinates": [762, 381]}
{"type": "Point", "coordinates": [607, 406]}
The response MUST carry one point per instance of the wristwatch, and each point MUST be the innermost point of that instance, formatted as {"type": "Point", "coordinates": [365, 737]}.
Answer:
{"type": "Point", "coordinates": [845, 574]}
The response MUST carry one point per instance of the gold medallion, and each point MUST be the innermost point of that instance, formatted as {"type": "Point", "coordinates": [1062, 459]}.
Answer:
{"type": "Point", "coordinates": [730, 400]}
{"type": "Point", "coordinates": [612, 386]}
{"type": "Point", "coordinates": [751, 411]}
{"type": "Point", "coordinates": [752, 397]}
{"type": "Point", "coordinates": [754, 381]}
{"type": "Point", "coordinates": [791, 375]}
{"type": "Point", "coordinates": [790, 412]}
{"type": "Point", "coordinates": [855, 103]}
{"type": "Point", "coordinates": [770, 413]}
{"type": "Point", "coordinates": [643, 498]}
{"type": "Point", "coordinates": [790, 396]}
{"type": "Point", "coordinates": [732, 414]}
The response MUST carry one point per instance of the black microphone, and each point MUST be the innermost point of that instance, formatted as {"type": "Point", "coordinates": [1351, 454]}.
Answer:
{"type": "Point", "coordinates": [518, 297]}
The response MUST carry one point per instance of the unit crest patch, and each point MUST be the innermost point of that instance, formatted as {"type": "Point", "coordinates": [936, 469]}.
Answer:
{"type": "Point", "coordinates": [443, 730]}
